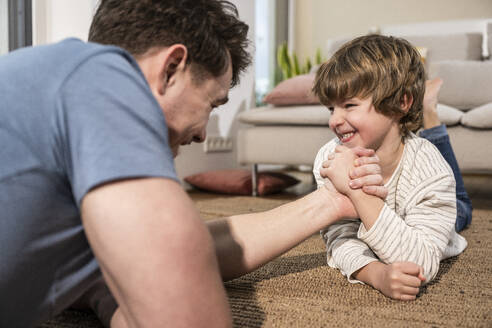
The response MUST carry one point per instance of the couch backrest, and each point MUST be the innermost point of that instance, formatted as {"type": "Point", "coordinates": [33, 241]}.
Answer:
{"type": "Point", "coordinates": [466, 46]}
{"type": "Point", "coordinates": [461, 46]}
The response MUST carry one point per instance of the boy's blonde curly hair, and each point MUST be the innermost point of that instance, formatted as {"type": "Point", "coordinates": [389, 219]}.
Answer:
{"type": "Point", "coordinates": [384, 67]}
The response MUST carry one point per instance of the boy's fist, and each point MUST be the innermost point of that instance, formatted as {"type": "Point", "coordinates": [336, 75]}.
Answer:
{"type": "Point", "coordinates": [400, 280]}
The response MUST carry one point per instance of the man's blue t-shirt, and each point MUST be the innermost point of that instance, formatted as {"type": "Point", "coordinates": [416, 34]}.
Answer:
{"type": "Point", "coordinates": [73, 116]}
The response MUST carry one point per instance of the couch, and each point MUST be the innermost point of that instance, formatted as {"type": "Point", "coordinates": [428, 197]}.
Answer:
{"type": "Point", "coordinates": [290, 131]}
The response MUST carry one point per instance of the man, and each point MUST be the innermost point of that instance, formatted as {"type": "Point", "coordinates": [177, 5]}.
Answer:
{"type": "Point", "coordinates": [87, 180]}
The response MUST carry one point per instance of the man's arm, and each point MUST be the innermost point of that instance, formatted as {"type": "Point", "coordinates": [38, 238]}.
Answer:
{"type": "Point", "coordinates": [245, 242]}
{"type": "Point", "coordinates": [156, 254]}
{"type": "Point", "coordinates": [344, 250]}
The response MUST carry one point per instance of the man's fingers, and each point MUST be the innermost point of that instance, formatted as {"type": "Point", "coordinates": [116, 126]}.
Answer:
{"type": "Point", "coordinates": [324, 172]}
{"type": "Point", "coordinates": [366, 170]}
{"type": "Point", "coordinates": [378, 191]}
{"type": "Point", "coordinates": [359, 151]}
{"type": "Point", "coordinates": [326, 164]}
{"type": "Point", "coordinates": [340, 148]}
{"type": "Point", "coordinates": [368, 180]}
{"type": "Point", "coordinates": [365, 160]}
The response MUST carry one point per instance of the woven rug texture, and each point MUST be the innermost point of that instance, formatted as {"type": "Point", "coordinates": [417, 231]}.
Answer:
{"type": "Point", "coordinates": [298, 289]}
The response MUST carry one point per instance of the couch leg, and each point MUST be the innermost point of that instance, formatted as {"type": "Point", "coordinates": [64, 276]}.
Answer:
{"type": "Point", "coordinates": [254, 180]}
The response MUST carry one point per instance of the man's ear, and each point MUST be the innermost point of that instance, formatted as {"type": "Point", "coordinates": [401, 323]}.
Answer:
{"type": "Point", "coordinates": [406, 102]}
{"type": "Point", "coordinates": [173, 61]}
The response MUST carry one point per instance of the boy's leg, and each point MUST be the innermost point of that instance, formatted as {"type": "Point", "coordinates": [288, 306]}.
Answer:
{"type": "Point", "coordinates": [436, 133]}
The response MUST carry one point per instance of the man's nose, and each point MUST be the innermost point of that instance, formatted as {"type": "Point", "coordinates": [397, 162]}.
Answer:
{"type": "Point", "coordinates": [200, 137]}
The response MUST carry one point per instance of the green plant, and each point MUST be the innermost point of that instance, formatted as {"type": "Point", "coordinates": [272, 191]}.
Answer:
{"type": "Point", "coordinates": [289, 63]}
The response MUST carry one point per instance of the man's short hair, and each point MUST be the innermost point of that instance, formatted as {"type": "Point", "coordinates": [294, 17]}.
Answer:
{"type": "Point", "coordinates": [384, 67]}
{"type": "Point", "coordinates": [210, 30]}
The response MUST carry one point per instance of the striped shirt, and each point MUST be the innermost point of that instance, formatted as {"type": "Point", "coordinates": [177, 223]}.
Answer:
{"type": "Point", "coordinates": [416, 223]}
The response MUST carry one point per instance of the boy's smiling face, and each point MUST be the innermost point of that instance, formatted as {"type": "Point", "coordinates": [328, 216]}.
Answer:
{"type": "Point", "coordinates": [357, 123]}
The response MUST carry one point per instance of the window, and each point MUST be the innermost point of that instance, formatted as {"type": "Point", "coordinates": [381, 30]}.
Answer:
{"type": "Point", "coordinates": [271, 26]}
{"type": "Point", "coordinates": [15, 24]}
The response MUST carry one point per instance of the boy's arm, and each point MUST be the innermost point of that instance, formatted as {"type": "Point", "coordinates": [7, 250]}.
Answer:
{"type": "Point", "coordinates": [245, 242]}
{"type": "Point", "coordinates": [429, 219]}
{"type": "Point", "coordinates": [399, 280]}
{"type": "Point", "coordinates": [424, 234]}
{"type": "Point", "coordinates": [345, 251]}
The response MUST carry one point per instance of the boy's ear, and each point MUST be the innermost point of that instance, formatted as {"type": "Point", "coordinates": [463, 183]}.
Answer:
{"type": "Point", "coordinates": [173, 62]}
{"type": "Point", "coordinates": [406, 102]}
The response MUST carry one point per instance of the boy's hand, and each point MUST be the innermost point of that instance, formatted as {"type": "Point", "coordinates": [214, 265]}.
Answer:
{"type": "Point", "coordinates": [366, 173]}
{"type": "Point", "coordinates": [400, 280]}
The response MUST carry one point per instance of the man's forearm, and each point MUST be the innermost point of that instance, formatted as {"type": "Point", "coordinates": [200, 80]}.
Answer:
{"type": "Point", "coordinates": [246, 242]}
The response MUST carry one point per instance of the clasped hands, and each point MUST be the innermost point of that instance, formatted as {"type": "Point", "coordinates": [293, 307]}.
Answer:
{"type": "Point", "coordinates": [352, 170]}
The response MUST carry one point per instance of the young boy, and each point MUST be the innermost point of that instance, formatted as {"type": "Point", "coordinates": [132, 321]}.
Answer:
{"type": "Point", "coordinates": [374, 88]}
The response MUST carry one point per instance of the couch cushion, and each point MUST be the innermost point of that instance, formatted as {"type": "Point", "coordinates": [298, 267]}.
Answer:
{"type": "Point", "coordinates": [288, 115]}
{"type": "Point", "coordinates": [281, 144]}
{"type": "Point", "coordinates": [467, 84]}
{"type": "Point", "coordinates": [449, 115]}
{"type": "Point", "coordinates": [293, 91]}
{"type": "Point", "coordinates": [472, 148]}
{"type": "Point", "coordinates": [480, 117]}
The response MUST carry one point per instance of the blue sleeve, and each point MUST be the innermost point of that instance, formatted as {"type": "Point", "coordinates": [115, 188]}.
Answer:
{"type": "Point", "coordinates": [110, 126]}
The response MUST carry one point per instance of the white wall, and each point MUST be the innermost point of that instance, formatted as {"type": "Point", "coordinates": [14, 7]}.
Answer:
{"type": "Point", "coordinates": [319, 20]}
{"type": "Point", "coordinates": [4, 27]}
{"type": "Point", "coordinates": [55, 20]}
{"type": "Point", "coordinates": [58, 19]}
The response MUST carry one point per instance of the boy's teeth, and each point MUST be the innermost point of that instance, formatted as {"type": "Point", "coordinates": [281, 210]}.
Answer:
{"type": "Point", "coordinates": [347, 135]}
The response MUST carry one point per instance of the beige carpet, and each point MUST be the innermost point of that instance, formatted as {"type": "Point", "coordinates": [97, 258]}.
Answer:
{"type": "Point", "coordinates": [300, 290]}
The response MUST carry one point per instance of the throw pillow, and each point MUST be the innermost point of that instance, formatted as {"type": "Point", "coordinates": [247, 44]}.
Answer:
{"type": "Point", "coordinates": [239, 182]}
{"type": "Point", "coordinates": [449, 115]}
{"type": "Point", "coordinates": [480, 117]}
{"type": "Point", "coordinates": [293, 91]}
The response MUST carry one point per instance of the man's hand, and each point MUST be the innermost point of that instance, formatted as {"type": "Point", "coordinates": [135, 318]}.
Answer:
{"type": "Point", "coordinates": [340, 203]}
{"type": "Point", "coordinates": [339, 168]}
{"type": "Point", "coordinates": [400, 280]}
{"type": "Point", "coordinates": [365, 174]}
